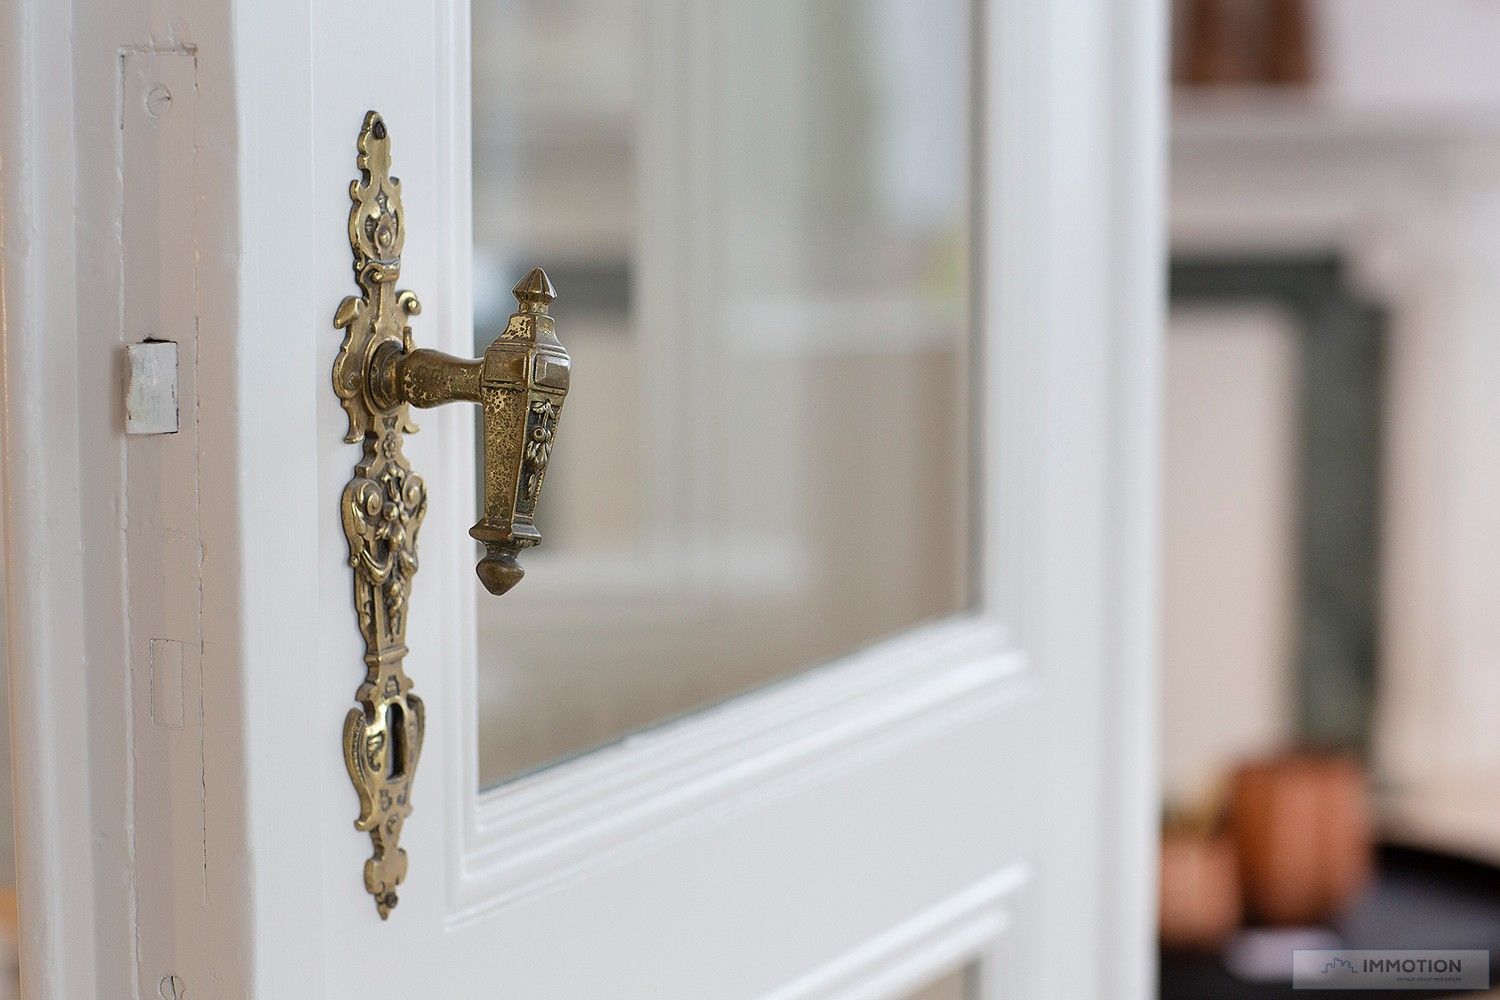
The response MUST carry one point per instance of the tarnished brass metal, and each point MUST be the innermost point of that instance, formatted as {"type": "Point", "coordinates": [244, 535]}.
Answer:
{"type": "Point", "coordinates": [382, 508]}
{"type": "Point", "coordinates": [523, 380]}
{"type": "Point", "coordinates": [519, 384]}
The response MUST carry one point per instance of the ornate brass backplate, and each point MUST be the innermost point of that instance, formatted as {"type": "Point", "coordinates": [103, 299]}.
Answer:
{"type": "Point", "coordinates": [382, 509]}
{"type": "Point", "coordinates": [519, 384]}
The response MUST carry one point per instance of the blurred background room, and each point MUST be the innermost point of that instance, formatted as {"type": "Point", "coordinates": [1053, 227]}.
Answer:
{"type": "Point", "coordinates": [1331, 564]}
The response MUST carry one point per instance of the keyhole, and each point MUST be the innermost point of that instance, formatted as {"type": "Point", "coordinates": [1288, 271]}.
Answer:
{"type": "Point", "coordinates": [171, 988]}
{"type": "Point", "coordinates": [395, 726]}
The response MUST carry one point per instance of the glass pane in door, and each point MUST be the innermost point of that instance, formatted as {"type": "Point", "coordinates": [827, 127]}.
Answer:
{"type": "Point", "coordinates": [756, 214]}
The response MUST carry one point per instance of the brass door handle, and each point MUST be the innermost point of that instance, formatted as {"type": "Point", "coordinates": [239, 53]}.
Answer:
{"type": "Point", "coordinates": [519, 385]}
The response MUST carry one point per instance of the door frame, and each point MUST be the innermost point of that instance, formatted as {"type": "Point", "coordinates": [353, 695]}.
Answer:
{"type": "Point", "coordinates": [1073, 106]}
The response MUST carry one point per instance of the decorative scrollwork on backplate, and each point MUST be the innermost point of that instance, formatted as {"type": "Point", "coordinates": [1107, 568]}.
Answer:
{"type": "Point", "coordinates": [382, 509]}
{"type": "Point", "coordinates": [520, 384]}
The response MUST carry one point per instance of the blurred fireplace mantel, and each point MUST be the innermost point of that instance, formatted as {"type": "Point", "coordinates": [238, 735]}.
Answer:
{"type": "Point", "coordinates": [1410, 202]}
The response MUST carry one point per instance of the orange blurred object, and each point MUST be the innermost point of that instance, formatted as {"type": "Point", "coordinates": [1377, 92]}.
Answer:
{"type": "Point", "coordinates": [1302, 832]}
{"type": "Point", "coordinates": [1200, 890]}
{"type": "Point", "coordinates": [1244, 43]}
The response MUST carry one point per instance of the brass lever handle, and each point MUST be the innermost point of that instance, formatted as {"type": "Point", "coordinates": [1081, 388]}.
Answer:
{"type": "Point", "coordinates": [520, 385]}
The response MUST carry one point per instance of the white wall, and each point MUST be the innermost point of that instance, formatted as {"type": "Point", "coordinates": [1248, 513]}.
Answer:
{"type": "Point", "coordinates": [1409, 53]}
{"type": "Point", "coordinates": [1229, 488]}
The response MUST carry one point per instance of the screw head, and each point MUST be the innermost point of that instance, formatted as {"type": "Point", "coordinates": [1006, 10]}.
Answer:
{"type": "Point", "coordinates": [158, 101]}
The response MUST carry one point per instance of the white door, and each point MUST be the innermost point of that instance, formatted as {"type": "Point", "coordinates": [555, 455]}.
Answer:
{"type": "Point", "coordinates": [865, 380]}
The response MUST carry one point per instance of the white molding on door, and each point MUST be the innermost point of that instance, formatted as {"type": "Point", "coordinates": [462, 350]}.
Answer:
{"type": "Point", "coordinates": [563, 820]}
{"type": "Point", "coordinates": [1137, 296]}
{"type": "Point", "coordinates": [1075, 129]}
{"type": "Point", "coordinates": [968, 927]}
{"type": "Point", "coordinates": [43, 508]}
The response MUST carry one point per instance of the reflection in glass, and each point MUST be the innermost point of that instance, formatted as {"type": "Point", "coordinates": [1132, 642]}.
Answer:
{"type": "Point", "coordinates": [756, 215]}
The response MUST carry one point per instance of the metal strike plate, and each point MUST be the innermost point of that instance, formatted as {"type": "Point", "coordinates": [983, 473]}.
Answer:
{"type": "Point", "coordinates": [151, 388]}
{"type": "Point", "coordinates": [519, 385]}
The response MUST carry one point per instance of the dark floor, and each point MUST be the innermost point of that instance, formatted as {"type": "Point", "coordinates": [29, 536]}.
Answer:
{"type": "Point", "coordinates": [1419, 899]}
